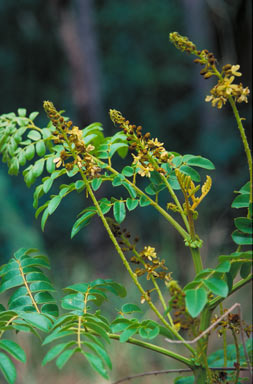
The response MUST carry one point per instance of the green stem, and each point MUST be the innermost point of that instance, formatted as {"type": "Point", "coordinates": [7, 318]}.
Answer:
{"type": "Point", "coordinates": [160, 295]}
{"type": "Point", "coordinates": [237, 356]}
{"type": "Point", "coordinates": [224, 335]}
{"type": "Point", "coordinates": [174, 196]}
{"type": "Point", "coordinates": [245, 144]}
{"type": "Point", "coordinates": [197, 261]}
{"type": "Point", "coordinates": [155, 348]}
{"type": "Point", "coordinates": [205, 320]}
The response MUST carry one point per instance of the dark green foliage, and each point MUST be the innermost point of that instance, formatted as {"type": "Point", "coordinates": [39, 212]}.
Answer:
{"type": "Point", "coordinates": [32, 308]}
{"type": "Point", "coordinates": [86, 331]}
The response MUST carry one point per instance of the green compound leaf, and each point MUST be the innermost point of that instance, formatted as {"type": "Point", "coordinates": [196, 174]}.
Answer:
{"type": "Point", "coordinates": [119, 324]}
{"type": "Point", "coordinates": [47, 185]}
{"type": "Point", "coordinates": [30, 152]}
{"type": "Point", "coordinates": [149, 330]}
{"type": "Point", "coordinates": [21, 158]}
{"type": "Point", "coordinates": [55, 351]}
{"type": "Point", "coordinates": [195, 300]}
{"type": "Point", "coordinates": [156, 178]}
{"type": "Point", "coordinates": [13, 349]}
{"type": "Point", "coordinates": [128, 171]}
{"type": "Point", "coordinates": [198, 161]}
{"type": "Point", "coordinates": [144, 201]}
{"type": "Point", "coordinates": [34, 135]}
{"type": "Point", "coordinates": [22, 112]}
{"type": "Point", "coordinates": [177, 160]}
{"type": "Point", "coordinates": [14, 282]}
{"type": "Point", "coordinates": [8, 368]}
{"type": "Point", "coordinates": [245, 188]}
{"type": "Point", "coordinates": [128, 332]}
{"type": "Point", "coordinates": [105, 205]}
{"type": "Point", "coordinates": [39, 286]}
{"type": "Point", "coordinates": [20, 303]}
{"type": "Point", "coordinates": [82, 222]}
{"type": "Point", "coordinates": [14, 167]}
{"type": "Point", "coordinates": [73, 302]}
{"type": "Point", "coordinates": [40, 148]}
{"type": "Point", "coordinates": [96, 183]}
{"type": "Point", "coordinates": [241, 201]}
{"type": "Point", "coordinates": [118, 180]}
{"type": "Point", "coordinates": [130, 189]}
{"type": "Point", "coordinates": [245, 270]}
{"type": "Point", "coordinates": [131, 204]}
{"type": "Point", "coordinates": [223, 267]}
{"type": "Point", "coordinates": [53, 204]}
{"type": "Point", "coordinates": [81, 287]}
{"type": "Point", "coordinates": [217, 286]}
{"type": "Point", "coordinates": [130, 308]}
{"type": "Point", "coordinates": [79, 184]}
{"type": "Point", "coordinates": [190, 172]}
{"type": "Point", "coordinates": [50, 165]}
{"type": "Point", "coordinates": [119, 211]}
{"type": "Point", "coordinates": [38, 168]}
{"type": "Point", "coordinates": [241, 238]}
{"type": "Point", "coordinates": [64, 357]}
{"type": "Point", "coordinates": [37, 320]}
{"type": "Point", "coordinates": [33, 115]}
{"type": "Point", "coordinates": [101, 352]}
{"type": "Point", "coordinates": [50, 309]}
{"type": "Point", "coordinates": [96, 363]}
{"type": "Point", "coordinates": [244, 224]}
{"type": "Point", "coordinates": [115, 147]}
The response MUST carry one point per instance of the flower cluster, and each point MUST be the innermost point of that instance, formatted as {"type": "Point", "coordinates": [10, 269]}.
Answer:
{"type": "Point", "coordinates": [225, 88]}
{"type": "Point", "coordinates": [150, 153]}
{"type": "Point", "coordinates": [150, 263]}
{"type": "Point", "coordinates": [147, 258]}
{"type": "Point", "coordinates": [123, 236]}
{"type": "Point", "coordinates": [234, 323]}
{"type": "Point", "coordinates": [181, 317]}
{"type": "Point", "coordinates": [76, 152]}
{"type": "Point", "coordinates": [182, 42]}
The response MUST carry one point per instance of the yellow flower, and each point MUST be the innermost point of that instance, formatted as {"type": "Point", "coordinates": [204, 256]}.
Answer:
{"type": "Point", "coordinates": [155, 143]}
{"type": "Point", "coordinates": [136, 158]}
{"type": "Point", "coordinates": [58, 162]}
{"type": "Point", "coordinates": [234, 70]}
{"type": "Point", "coordinates": [149, 253]}
{"type": "Point", "coordinates": [243, 97]}
{"type": "Point", "coordinates": [145, 170]}
{"type": "Point", "coordinates": [224, 87]}
{"type": "Point", "coordinates": [90, 148]}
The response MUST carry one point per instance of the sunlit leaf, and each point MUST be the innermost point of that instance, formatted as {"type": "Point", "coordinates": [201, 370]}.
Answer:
{"type": "Point", "coordinates": [195, 300]}
{"type": "Point", "coordinates": [119, 211]}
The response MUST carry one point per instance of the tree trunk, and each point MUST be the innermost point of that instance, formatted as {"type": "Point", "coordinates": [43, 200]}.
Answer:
{"type": "Point", "coordinates": [78, 36]}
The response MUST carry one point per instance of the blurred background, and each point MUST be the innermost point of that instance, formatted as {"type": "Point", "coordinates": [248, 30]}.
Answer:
{"type": "Point", "coordinates": [91, 55]}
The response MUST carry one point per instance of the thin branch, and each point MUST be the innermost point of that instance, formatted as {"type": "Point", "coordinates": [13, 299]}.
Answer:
{"type": "Point", "coordinates": [213, 325]}
{"type": "Point", "coordinates": [179, 370]}
{"type": "Point", "coordinates": [155, 348]}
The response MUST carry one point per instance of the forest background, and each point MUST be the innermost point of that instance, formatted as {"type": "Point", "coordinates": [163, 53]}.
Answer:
{"type": "Point", "coordinates": [91, 55]}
